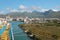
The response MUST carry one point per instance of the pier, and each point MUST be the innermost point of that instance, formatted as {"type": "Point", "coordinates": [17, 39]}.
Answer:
{"type": "Point", "coordinates": [4, 29]}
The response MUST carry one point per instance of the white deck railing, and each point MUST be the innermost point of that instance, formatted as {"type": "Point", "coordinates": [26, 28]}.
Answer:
{"type": "Point", "coordinates": [12, 34]}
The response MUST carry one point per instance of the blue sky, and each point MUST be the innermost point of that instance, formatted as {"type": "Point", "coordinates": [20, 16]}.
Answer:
{"type": "Point", "coordinates": [14, 4]}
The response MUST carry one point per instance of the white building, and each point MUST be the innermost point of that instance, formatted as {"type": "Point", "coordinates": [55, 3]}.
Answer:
{"type": "Point", "coordinates": [8, 18]}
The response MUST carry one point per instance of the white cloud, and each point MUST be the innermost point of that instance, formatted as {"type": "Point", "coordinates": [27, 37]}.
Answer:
{"type": "Point", "coordinates": [35, 8]}
{"type": "Point", "coordinates": [22, 7]}
{"type": "Point", "coordinates": [55, 10]}
{"type": "Point", "coordinates": [29, 11]}
{"type": "Point", "coordinates": [57, 7]}
{"type": "Point", "coordinates": [8, 8]}
{"type": "Point", "coordinates": [40, 9]}
{"type": "Point", "coordinates": [1, 12]}
{"type": "Point", "coordinates": [43, 10]}
{"type": "Point", "coordinates": [13, 10]}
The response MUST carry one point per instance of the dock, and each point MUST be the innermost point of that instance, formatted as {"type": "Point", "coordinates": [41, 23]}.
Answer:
{"type": "Point", "coordinates": [5, 34]}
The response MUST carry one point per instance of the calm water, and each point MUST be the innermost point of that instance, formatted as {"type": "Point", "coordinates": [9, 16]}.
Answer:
{"type": "Point", "coordinates": [18, 33]}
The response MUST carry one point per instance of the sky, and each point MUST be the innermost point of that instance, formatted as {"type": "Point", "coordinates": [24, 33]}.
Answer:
{"type": "Point", "coordinates": [14, 5]}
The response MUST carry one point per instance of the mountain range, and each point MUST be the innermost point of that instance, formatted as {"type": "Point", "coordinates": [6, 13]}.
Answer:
{"type": "Point", "coordinates": [47, 14]}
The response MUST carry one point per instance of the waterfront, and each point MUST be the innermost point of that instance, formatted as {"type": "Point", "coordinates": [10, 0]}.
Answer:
{"type": "Point", "coordinates": [17, 33]}
{"type": "Point", "coordinates": [4, 29]}
{"type": "Point", "coordinates": [14, 32]}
